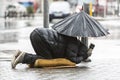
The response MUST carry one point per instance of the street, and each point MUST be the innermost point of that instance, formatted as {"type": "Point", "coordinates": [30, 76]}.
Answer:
{"type": "Point", "coordinates": [105, 58]}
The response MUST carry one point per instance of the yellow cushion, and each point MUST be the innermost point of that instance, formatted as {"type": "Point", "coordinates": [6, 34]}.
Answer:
{"type": "Point", "coordinates": [53, 62]}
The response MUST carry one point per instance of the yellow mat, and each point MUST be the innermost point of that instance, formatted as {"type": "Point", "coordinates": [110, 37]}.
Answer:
{"type": "Point", "coordinates": [53, 63]}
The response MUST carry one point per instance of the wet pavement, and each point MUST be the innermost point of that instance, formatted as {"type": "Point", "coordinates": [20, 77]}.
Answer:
{"type": "Point", "coordinates": [105, 59]}
{"type": "Point", "coordinates": [98, 69]}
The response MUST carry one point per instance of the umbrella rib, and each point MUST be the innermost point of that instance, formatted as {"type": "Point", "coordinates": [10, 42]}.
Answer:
{"type": "Point", "coordinates": [92, 27]}
{"type": "Point", "coordinates": [71, 28]}
{"type": "Point", "coordinates": [56, 26]}
{"type": "Point", "coordinates": [84, 23]}
{"type": "Point", "coordinates": [99, 28]}
{"type": "Point", "coordinates": [73, 25]}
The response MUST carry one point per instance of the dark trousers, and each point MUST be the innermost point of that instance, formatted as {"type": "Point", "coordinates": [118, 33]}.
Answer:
{"type": "Point", "coordinates": [31, 58]}
{"type": "Point", "coordinates": [39, 47]}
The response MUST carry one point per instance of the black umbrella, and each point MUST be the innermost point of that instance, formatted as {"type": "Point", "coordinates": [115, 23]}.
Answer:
{"type": "Point", "coordinates": [80, 24]}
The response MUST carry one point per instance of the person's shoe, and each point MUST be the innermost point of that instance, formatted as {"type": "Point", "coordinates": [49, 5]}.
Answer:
{"type": "Point", "coordinates": [19, 59]}
{"type": "Point", "coordinates": [90, 49]}
{"type": "Point", "coordinates": [17, 53]}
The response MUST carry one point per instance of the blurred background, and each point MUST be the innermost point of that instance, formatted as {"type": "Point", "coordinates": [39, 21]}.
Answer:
{"type": "Point", "coordinates": [26, 7]}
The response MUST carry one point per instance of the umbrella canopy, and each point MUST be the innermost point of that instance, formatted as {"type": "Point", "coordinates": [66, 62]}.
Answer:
{"type": "Point", "coordinates": [80, 24]}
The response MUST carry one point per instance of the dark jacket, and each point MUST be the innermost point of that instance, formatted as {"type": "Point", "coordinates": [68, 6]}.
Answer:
{"type": "Point", "coordinates": [61, 46]}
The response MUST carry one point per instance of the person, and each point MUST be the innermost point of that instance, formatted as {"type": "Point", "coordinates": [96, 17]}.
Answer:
{"type": "Point", "coordinates": [48, 44]}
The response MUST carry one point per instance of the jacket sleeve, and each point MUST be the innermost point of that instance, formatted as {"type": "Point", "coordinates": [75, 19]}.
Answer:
{"type": "Point", "coordinates": [72, 53]}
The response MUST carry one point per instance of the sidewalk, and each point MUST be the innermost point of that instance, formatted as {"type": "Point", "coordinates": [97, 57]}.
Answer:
{"type": "Point", "coordinates": [98, 69]}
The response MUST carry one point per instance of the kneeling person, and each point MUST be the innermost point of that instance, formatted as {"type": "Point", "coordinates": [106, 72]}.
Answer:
{"type": "Point", "coordinates": [48, 44]}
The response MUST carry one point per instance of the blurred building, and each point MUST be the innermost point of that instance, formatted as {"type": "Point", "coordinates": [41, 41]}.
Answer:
{"type": "Point", "coordinates": [100, 7]}
{"type": "Point", "coordinates": [40, 4]}
{"type": "Point", "coordinates": [3, 4]}
{"type": "Point", "coordinates": [29, 3]}
{"type": "Point", "coordinates": [107, 7]}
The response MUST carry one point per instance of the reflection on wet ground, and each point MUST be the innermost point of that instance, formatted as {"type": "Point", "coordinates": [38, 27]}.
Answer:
{"type": "Point", "coordinates": [5, 34]}
{"type": "Point", "coordinates": [97, 70]}
{"type": "Point", "coordinates": [8, 37]}
{"type": "Point", "coordinates": [9, 29]}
